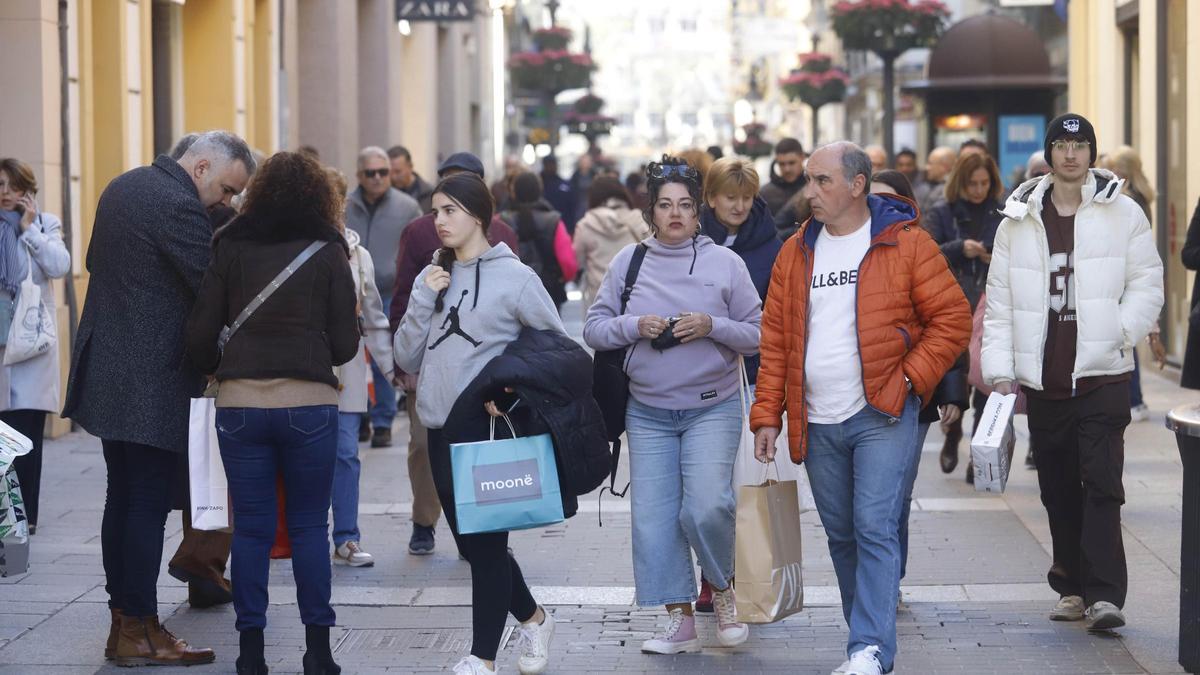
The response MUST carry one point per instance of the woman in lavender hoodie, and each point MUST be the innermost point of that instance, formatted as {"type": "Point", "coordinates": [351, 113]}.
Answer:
{"type": "Point", "coordinates": [684, 418]}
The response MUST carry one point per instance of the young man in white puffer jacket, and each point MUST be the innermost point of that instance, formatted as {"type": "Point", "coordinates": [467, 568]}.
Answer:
{"type": "Point", "coordinates": [1075, 283]}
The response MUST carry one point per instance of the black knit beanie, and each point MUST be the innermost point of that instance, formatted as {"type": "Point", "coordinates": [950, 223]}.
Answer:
{"type": "Point", "coordinates": [1070, 124]}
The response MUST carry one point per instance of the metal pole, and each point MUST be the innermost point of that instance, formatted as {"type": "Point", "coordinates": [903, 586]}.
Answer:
{"type": "Point", "coordinates": [889, 104]}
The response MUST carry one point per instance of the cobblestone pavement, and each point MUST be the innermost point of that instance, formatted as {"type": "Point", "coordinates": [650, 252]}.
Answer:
{"type": "Point", "coordinates": [975, 596]}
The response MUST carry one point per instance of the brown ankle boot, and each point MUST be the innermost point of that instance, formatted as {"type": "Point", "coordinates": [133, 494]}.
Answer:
{"type": "Point", "coordinates": [144, 642]}
{"type": "Point", "coordinates": [110, 647]}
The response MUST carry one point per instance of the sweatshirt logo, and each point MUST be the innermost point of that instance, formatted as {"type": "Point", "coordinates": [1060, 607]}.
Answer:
{"type": "Point", "coordinates": [455, 326]}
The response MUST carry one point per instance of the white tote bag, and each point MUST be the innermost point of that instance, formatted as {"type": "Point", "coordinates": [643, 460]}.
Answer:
{"type": "Point", "coordinates": [746, 469]}
{"type": "Point", "coordinates": [33, 332]}
{"type": "Point", "coordinates": [206, 473]}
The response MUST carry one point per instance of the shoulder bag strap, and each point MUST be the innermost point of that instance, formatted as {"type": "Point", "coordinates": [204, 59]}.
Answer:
{"type": "Point", "coordinates": [297, 262]}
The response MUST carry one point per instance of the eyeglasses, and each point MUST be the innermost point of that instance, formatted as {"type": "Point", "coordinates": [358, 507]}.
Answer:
{"type": "Point", "coordinates": [660, 171]}
{"type": "Point", "coordinates": [376, 173]}
{"type": "Point", "coordinates": [1068, 146]}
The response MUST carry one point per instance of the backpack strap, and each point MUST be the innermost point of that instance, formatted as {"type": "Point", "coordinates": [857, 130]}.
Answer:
{"type": "Point", "coordinates": [631, 275]}
{"type": "Point", "coordinates": [228, 331]}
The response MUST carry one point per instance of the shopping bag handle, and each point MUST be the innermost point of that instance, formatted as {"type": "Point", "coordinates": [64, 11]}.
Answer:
{"type": "Point", "coordinates": [492, 425]}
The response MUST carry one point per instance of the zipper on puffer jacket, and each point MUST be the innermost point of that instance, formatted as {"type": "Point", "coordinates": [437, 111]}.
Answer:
{"type": "Point", "coordinates": [858, 334]}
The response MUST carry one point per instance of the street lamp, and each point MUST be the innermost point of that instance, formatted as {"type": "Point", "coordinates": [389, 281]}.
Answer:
{"type": "Point", "coordinates": [817, 21]}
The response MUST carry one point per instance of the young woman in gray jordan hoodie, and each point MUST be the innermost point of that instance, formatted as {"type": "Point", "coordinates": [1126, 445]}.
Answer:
{"type": "Point", "coordinates": [464, 309]}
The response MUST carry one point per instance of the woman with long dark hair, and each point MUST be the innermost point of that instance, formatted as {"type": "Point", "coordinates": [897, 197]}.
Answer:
{"type": "Point", "coordinates": [464, 310]}
{"type": "Point", "coordinates": [277, 410]}
{"type": "Point", "coordinates": [545, 244]}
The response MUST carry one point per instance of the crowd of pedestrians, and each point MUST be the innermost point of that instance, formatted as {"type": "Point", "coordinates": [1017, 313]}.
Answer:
{"type": "Point", "coordinates": [837, 298]}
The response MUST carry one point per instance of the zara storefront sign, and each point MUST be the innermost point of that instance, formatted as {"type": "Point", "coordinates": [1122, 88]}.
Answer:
{"type": "Point", "coordinates": [435, 10]}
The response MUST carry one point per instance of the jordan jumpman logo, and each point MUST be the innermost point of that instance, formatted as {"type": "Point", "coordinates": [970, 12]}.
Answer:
{"type": "Point", "coordinates": [455, 326]}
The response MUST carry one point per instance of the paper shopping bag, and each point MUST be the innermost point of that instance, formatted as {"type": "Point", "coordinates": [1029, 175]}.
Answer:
{"type": "Point", "coordinates": [993, 442]}
{"type": "Point", "coordinates": [769, 583]}
{"type": "Point", "coordinates": [207, 486]}
{"type": "Point", "coordinates": [504, 485]}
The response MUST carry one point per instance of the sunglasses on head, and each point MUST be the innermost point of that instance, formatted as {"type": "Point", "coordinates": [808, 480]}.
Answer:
{"type": "Point", "coordinates": [376, 173]}
{"type": "Point", "coordinates": [660, 171]}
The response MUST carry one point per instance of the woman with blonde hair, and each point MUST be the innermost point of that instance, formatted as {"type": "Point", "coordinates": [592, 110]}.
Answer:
{"type": "Point", "coordinates": [1125, 164]}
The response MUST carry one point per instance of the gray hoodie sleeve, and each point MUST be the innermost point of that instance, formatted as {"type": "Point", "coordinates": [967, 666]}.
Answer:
{"type": "Point", "coordinates": [413, 335]}
{"type": "Point", "coordinates": [741, 330]}
{"type": "Point", "coordinates": [535, 308]}
{"type": "Point", "coordinates": [604, 328]}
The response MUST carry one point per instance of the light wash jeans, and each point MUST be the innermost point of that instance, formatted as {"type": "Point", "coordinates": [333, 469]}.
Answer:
{"type": "Point", "coordinates": [681, 468]}
{"type": "Point", "coordinates": [860, 471]}
{"type": "Point", "coordinates": [346, 473]}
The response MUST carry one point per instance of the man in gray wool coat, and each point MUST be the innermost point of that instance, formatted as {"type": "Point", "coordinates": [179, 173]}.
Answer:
{"type": "Point", "coordinates": [129, 383]}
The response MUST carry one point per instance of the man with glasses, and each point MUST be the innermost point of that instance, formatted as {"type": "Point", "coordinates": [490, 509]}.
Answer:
{"type": "Point", "coordinates": [379, 212]}
{"type": "Point", "coordinates": [1064, 314]}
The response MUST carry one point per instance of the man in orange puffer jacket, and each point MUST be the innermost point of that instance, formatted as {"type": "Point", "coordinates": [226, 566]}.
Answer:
{"type": "Point", "coordinates": [863, 318]}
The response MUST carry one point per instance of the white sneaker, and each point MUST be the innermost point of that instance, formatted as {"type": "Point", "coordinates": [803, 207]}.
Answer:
{"type": "Point", "coordinates": [473, 665]}
{"type": "Point", "coordinates": [1139, 413]}
{"type": "Point", "coordinates": [1104, 616]}
{"type": "Point", "coordinates": [534, 641]}
{"type": "Point", "coordinates": [841, 670]}
{"type": "Point", "coordinates": [680, 637]}
{"type": "Point", "coordinates": [730, 633]}
{"type": "Point", "coordinates": [864, 662]}
{"type": "Point", "coordinates": [1069, 608]}
{"type": "Point", "coordinates": [350, 553]}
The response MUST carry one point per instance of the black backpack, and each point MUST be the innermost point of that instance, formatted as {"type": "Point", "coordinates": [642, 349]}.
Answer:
{"type": "Point", "coordinates": [610, 383]}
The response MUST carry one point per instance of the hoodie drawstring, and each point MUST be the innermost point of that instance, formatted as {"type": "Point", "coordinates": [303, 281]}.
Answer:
{"type": "Point", "coordinates": [478, 265]}
{"type": "Point", "coordinates": [693, 267]}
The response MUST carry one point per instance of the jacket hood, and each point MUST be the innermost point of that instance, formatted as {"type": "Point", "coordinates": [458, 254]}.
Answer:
{"type": "Point", "coordinates": [886, 210]}
{"type": "Point", "coordinates": [610, 219]}
{"type": "Point", "coordinates": [1102, 187]}
{"type": "Point", "coordinates": [498, 252]}
{"type": "Point", "coordinates": [758, 229]}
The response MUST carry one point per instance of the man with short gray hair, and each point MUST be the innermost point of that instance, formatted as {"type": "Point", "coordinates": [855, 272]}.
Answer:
{"type": "Point", "coordinates": [129, 382]}
{"type": "Point", "coordinates": [379, 213]}
{"type": "Point", "coordinates": [862, 320]}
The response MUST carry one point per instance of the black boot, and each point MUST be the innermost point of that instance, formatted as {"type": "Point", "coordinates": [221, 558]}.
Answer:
{"type": "Point", "coordinates": [949, 457]}
{"type": "Point", "coordinates": [251, 661]}
{"type": "Point", "coordinates": [318, 660]}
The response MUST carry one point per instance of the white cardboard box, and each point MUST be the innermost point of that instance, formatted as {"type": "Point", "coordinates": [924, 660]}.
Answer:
{"type": "Point", "coordinates": [992, 445]}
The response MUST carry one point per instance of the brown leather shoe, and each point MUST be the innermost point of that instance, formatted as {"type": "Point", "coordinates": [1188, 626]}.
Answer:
{"type": "Point", "coordinates": [144, 642]}
{"type": "Point", "coordinates": [110, 647]}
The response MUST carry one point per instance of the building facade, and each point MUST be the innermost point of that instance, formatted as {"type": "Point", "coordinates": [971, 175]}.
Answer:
{"type": "Point", "coordinates": [1129, 67]}
{"type": "Point", "coordinates": [98, 87]}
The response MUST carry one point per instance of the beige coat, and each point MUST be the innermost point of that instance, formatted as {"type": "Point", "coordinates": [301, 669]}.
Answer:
{"type": "Point", "coordinates": [602, 232]}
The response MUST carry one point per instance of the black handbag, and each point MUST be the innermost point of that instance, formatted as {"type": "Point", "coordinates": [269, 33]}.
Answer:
{"type": "Point", "coordinates": [610, 383]}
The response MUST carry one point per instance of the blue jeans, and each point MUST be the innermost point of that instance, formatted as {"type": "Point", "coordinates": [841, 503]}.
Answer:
{"type": "Point", "coordinates": [859, 472]}
{"type": "Point", "coordinates": [383, 410]}
{"type": "Point", "coordinates": [909, 480]}
{"type": "Point", "coordinates": [345, 480]}
{"type": "Point", "coordinates": [681, 468]}
{"type": "Point", "coordinates": [257, 444]}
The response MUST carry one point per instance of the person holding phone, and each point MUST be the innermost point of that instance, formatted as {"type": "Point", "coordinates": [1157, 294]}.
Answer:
{"type": "Point", "coordinates": [31, 243]}
{"type": "Point", "coordinates": [693, 312]}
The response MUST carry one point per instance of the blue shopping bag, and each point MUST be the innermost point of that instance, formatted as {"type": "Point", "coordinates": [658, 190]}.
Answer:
{"type": "Point", "coordinates": [507, 484]}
